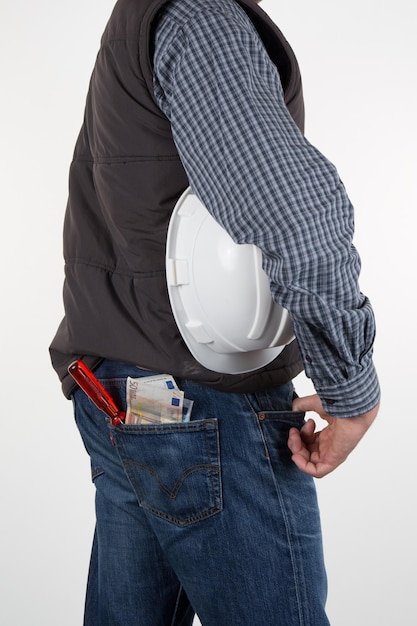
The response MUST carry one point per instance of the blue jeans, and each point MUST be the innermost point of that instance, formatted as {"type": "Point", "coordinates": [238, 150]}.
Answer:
{"type": "Point", "coordinates": [209, 516]}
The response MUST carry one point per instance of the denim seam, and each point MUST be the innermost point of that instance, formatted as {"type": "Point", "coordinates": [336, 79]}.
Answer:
{"type": "Point", "coordinates": [197, 517]}
{"type": "Point", "coordinates": [251, 407]}
{"type": "Point", "coordinates": [217, 494]}
{"type": "Point", "coordinates": [96, 472]}
{"type": "Point", "coordinates": [177, 602]}
{"type": "Point", "coordinates": [163, 429]}
{"type": "Point", "coordinates": [295, 571]}
{"type": "Point", "coordinates": [208, 454]}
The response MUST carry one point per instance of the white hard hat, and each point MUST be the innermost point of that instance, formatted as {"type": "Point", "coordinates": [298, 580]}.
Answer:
{"type": "Point", "coordinates": [220, 295]}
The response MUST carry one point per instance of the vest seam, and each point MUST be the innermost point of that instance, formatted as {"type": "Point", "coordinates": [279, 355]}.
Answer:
{"type": "Point", "coordinates": [111, 270]}
{"type": "Point", "coordinates": [101, 160]}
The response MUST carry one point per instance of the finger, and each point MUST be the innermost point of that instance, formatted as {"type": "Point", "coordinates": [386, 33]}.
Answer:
{"type": "Point", "coordinates": [306, 403]}
{"type": "Point", "coordinates": [316, 470]}
{"type": "Point", "coordinates": [307, 432]}
{"type": "Point", "coordinates": [297, 446]}
{"type": "Point", "coordinates": [300, 441]}
{"type": "Point", "coordinates": [295, 443]}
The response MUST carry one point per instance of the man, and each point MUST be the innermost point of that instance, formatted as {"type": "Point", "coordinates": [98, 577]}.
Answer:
{"type": "Point", "coordinates": [212, 516]}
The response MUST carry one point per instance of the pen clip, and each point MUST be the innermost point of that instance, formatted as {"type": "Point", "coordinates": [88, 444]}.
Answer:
{"type": "Point", "coordinates": [86, 380]}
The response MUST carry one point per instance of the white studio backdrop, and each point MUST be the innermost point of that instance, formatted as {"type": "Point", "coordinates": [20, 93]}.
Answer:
{"type": "Point", "coordinates": [358, 61]}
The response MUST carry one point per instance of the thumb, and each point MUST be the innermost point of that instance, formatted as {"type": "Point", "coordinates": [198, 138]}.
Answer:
{"type": "Point", "coordinates": [308, 403]}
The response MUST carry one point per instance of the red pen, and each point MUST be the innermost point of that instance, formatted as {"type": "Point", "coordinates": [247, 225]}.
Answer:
{"type": "Point", "coordinates": [85, 378]}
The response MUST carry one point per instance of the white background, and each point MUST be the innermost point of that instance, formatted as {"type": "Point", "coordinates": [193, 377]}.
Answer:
{"type": "Point", "coordinates": [358, 60]}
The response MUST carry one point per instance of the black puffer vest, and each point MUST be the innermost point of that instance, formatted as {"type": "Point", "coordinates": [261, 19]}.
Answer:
{"type": "Point", "coordinates": [125, 179]}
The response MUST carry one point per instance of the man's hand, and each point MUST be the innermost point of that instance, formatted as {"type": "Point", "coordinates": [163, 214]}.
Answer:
{"type": "Point", "coordinates": [319, 453]}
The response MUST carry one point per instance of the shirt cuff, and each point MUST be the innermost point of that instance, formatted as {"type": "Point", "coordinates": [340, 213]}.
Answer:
{"type": "Point", "coordinates": [353, 397]}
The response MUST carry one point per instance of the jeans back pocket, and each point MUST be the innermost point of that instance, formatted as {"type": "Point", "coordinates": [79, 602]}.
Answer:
{"type": "Point", "coordinates": [173, 468]}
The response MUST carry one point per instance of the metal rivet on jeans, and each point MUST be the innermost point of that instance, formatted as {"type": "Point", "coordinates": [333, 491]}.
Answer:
{"type": "Point", "coordinates": [261, 416]}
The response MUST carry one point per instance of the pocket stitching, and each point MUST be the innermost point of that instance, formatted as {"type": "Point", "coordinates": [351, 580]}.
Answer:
{"type": "Point", "coordinates": [186, 521]}
{"type": "Point", "coordinates": [172, 493]}
{"type": "Point", "coordinates": [212, 470]}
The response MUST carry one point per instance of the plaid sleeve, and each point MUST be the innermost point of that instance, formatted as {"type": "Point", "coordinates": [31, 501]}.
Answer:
{"type": "Point", "coordinates": [267, 185]}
